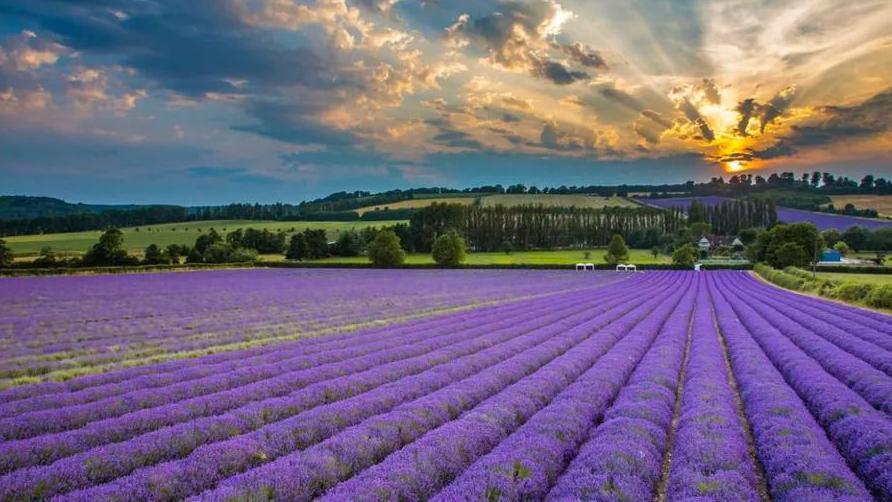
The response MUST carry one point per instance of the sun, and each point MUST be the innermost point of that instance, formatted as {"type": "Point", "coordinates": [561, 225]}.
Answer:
{"type": "Point", "coordinates": [734, 166]}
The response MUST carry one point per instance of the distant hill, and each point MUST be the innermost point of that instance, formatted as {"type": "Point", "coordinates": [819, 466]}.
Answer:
{"type": "Point", "coordinates": [21, 207]}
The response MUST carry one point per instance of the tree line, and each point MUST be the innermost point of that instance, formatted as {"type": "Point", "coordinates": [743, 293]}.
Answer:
{"type": "Point", "coordinates": [534, 227]}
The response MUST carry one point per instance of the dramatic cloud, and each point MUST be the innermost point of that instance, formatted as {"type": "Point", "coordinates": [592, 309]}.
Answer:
{"type": "Point", "coordinates": [402, 92]}
{"type": "Point", "coordinates": [520, 36]}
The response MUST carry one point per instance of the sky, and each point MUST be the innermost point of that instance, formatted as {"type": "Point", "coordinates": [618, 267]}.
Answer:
{"type": "Point", "coordinates": [216, 101]}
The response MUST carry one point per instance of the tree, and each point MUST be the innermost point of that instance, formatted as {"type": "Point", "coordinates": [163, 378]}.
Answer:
{"type": "Point", "coordinates": [109, 251]}
{"type": "Point", "coordinates": [842, 247]}
{"type": "Point", "coordinates": [46, 259]}
{"type": "Point", "coordinates": [790, 254]}
{"type": "Point", "coordinates": [655, 252]}
{"type": "Point", "coordinates": [317, 244]}
{"type": "Point", "coordinates": [616, 250]}
{"type": "Point", "coordinates": [449, 249]}
{"type": "Point", "coordinates": [385, 250]}
{"type": "Point", "coordinates": [194, 256]}
{"type": "Point", "coordinates": [5, 255]}
{"type": "Point", "coordinates": [205, 241]}
{"type": "Point", "coordinates": [297, 248]}
{"type": "Point", "coordinates": [696, 212]}
{"type": "Point", "coordinates": [348, 244]}
{"type": "Point", "coordinates": [685, 255]}
{"type": "Point", "coordinates": [831, 236]}
{"type": "Point", "coordinates": [154, 256]}
{"type": "Point", "coordinates": [175, 251]}
{"type": "Point", "coordinates": [857, 238]}
{"type": "Point", "coordinates": [506, 247]}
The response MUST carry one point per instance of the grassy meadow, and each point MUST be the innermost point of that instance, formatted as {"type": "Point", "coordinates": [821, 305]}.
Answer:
{"type": "Point", "coordinates": [874, 279]}
{"type": "Point", "coordinates": [418, 203]}
{"type": "Point", "coordinates": [137, 238]}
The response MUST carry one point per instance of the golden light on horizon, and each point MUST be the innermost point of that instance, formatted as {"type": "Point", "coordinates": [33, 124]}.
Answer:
{"type": "Point", "coordinates": [735, 166]}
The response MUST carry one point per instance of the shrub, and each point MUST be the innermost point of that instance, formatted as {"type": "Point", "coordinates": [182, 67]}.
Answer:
{"type": "Point", "coordinates": [385, 250]}
{"type": "Point", "coordinates": [685, 255]}
{"type": "Point", "coordinates": [881, 297]}
{"type": "Point", "coordinates": [853, 291]}
{"type": "Point", "coordinates": [449, 250]}
{"type": "Point", "coordinates": [616, 250]}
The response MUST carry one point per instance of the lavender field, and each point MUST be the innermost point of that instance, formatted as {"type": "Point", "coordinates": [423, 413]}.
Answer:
{"type": "Point", "coordinates": [823, 221]}
{"type": "Point", "coordinates": [368, 385]}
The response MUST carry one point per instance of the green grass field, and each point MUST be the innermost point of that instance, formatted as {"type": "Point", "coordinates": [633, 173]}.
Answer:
{"type": "Point", "coordinates": [172, 233]}
{"type": "Point", "coordinates": [561, 257]}
{"type": "Point", "coordinates": [549, 200]}
{"type": "Point", "coordinates": [875, 279]}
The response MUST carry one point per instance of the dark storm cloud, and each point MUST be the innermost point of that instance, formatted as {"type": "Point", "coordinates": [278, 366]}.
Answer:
{"type": "Point", "coordinates": [514, 37]}
{"type": "Point", "coordinates": [693, 115]}
{"type": "Point", "coordinates": [294, 122]}
{"type": "Point", "coordinates": [839, 123]}
{"type": "Point", "coordinates": [190, 47]}
{"type": "Point", "coordinates": [448, 135]}
{"type": "Point", "coordinates": [650, 126]}
{"type": "Point", "coordinates": [621, 97]}
{"type": "Point", "coordinates": [745, 109]}
{"type": "Point", "coordinates": [557, 73]}
{"type": "Point", "coordinates": [584, 55]}
{"type": "Point", "coordinates": [776, 107]}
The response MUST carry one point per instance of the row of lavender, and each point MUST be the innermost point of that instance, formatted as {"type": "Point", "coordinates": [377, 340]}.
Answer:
{"type": "Point", "coordinates": [823, 221]}
{"type": "Point", "coordinates": [670, 385]}
{"type": "Point", "coordinates": [76, 323]}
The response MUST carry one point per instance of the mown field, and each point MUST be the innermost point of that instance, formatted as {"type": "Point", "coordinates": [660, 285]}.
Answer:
{"type": "Point", "coordinates": [882, 203]}
{"type": "Point", "coordinates": [417, 203]}
{"type": "Point", "coordinates": [136, 239]}
{"type": "Point", "coordinates": [442, 386]}
{"type": "Point", "coordinates": [549, 200]}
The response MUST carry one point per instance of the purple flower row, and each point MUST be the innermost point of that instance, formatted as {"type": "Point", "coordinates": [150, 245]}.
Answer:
{"type": "Point", "coordinates": [867, 374]}
{"type": "Point", "coordinates": [710, 460]}
{"type": "Point", "coordinates": [96, 320]}
{"type": "Point", "coordinates": [846, 319]}
{"type": "Point", "coordinates": [48, 448]}
{"type": "Point", "coordinates": [109, 462]}
{"type": "Point", "coordinates": [63, 418]}
{"type": "Point", "coordinates": [800, 462]}
{"type": "Point", "coordinates": [622, 457]}
{"type": "Point", "coordinates": [862, 434]}
{"type": "Point", "coordinates": [307, 473]}
{"type": "Point", "coordinates": [526, 464]}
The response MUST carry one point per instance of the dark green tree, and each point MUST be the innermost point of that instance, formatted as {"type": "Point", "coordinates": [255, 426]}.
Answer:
{"type": "Point", "coordinates": [297, 248]}
{"type": "Point", "coordinates": [317, 244]}
{"type": "Point", "coordinates": [685, 255]}
{"type": "Point", "coordinates": [385, 250]}
{"type": "Point", "coordinates": [154, 256]}
{"type": "Point", "coordinates": [790, 254]}
{"type": "Point", "coordinates": [46, 259]}
{"type": "Point", "coordinates": [449, 249]}
{"type": "Point", "coordinates": [175, 251]}
{"type": "Point", "coordinates": [857, 238]}
{"type": "Point", "coordinates": [5, 255]}
{"type": "Point", "coordinates": [348, 244]}
{"type": "Point", "coordinates": [616, 251]}
{"type": "Point", "coordinates": [204, 241]}
{"type": "Point", "coordinates": [109, 251]}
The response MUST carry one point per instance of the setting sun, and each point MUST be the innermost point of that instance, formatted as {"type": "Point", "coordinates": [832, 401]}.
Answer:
{"type": "Point", "coordinates": [734, 166]}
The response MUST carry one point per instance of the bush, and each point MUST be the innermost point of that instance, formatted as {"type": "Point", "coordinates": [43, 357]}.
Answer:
{"type": "Point", "coordinates": [685, 255]}
{"type": "Point", "coordinates": [779, 277]}
{"type": "Point", "coordinates": [449, 250]}
{"type": "Point", "coordinates": [790, 254]}
{"type": "Point", "coordinates": [385, 250]}
{"type": "Point", "coordinates": [853, 292]}
{"type": "Point", "coordinates": [881, 297]}
{"type": "Point", "coordinates": [616, 251]}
